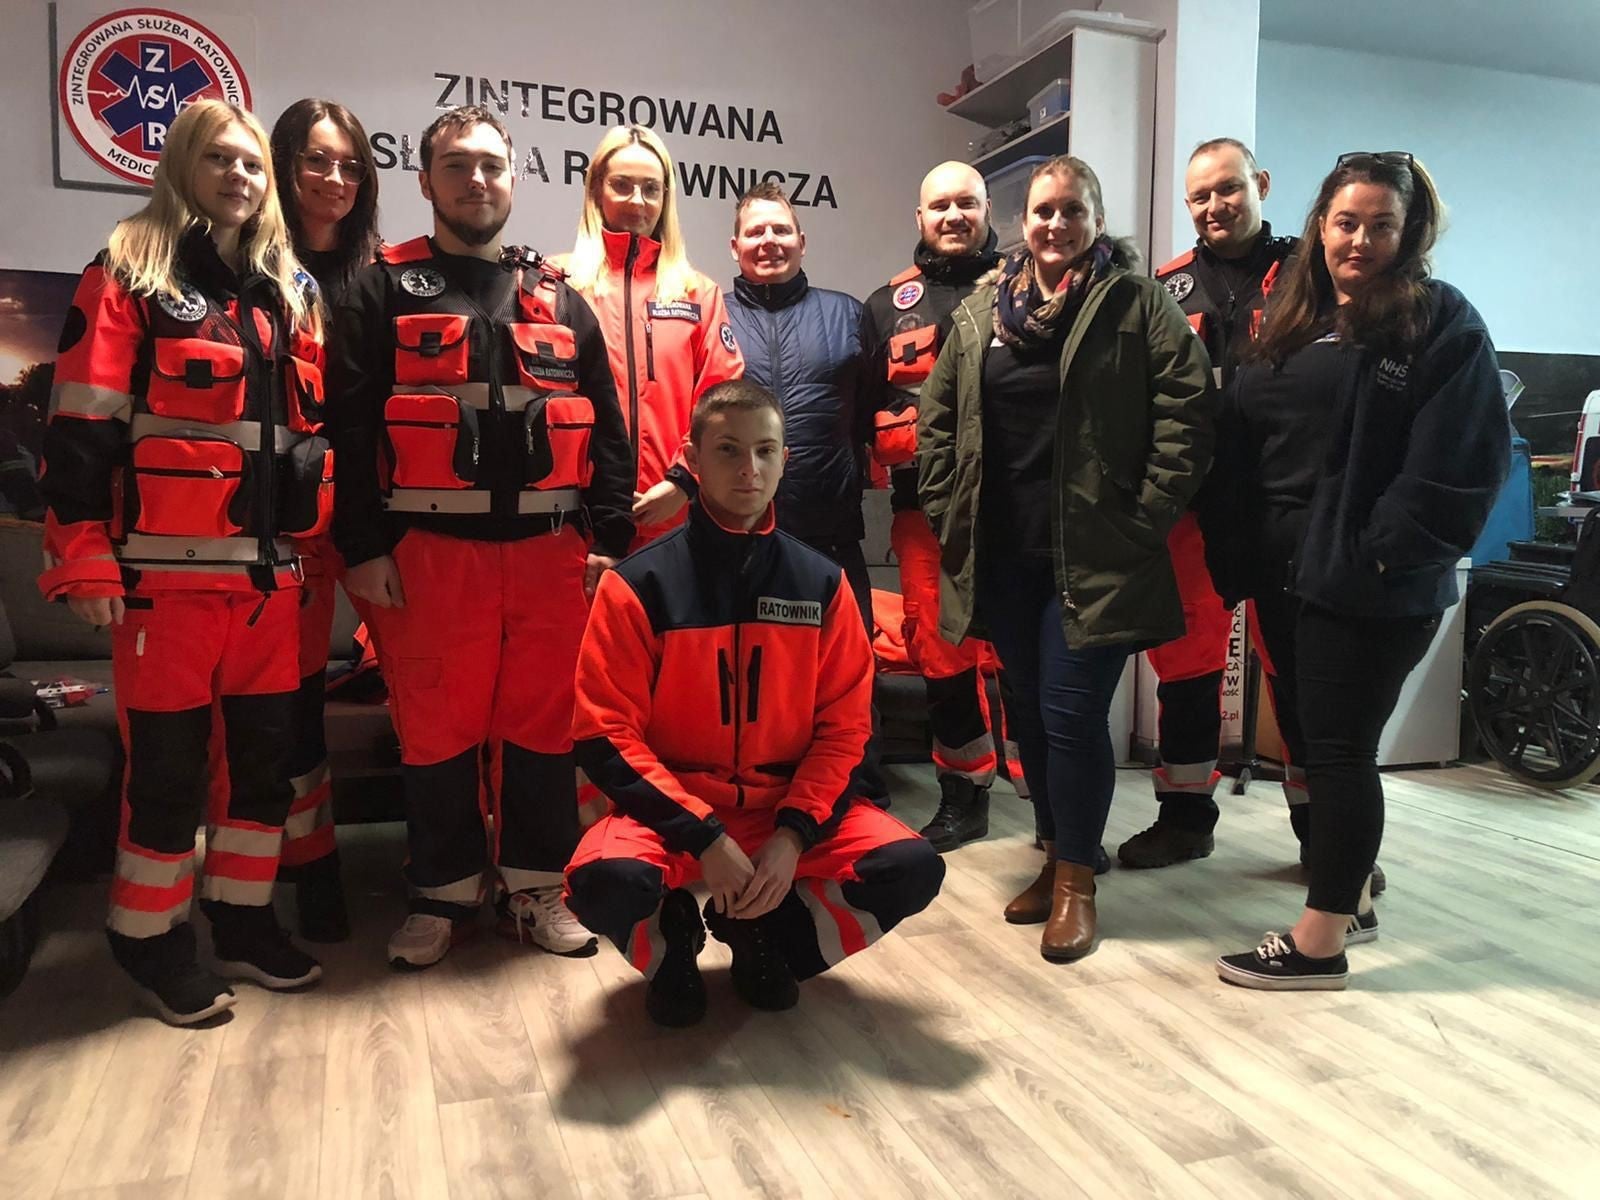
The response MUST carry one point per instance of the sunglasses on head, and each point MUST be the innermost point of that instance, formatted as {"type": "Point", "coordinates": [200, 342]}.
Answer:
{"type": "Point", "coordinates": [1389, 158]}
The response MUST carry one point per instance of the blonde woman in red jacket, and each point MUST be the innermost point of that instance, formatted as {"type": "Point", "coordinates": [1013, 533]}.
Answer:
{"type": "Point", "coordinates": [664, 322]}
{"type": "Point", "coordinates": [182, 461]}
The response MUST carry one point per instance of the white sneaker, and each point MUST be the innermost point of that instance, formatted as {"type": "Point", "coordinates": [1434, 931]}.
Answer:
{"type": "Point", "coordinates": [422, 941]}
{"type": "Point", "coordinates": [540, 916]}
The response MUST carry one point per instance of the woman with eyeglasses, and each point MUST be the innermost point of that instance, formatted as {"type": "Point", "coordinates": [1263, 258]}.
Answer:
{"type": "Point", "coordinates": [665, 323]}
{"type": "Point", "coordinates": [183, 463]}
{"type": "Point", "coordinates": [1359, 453]}
{"type": "Point", "coordinates": [328, 187]}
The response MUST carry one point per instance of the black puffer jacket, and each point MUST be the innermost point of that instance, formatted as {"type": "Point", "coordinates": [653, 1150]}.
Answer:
{"type": "Point", "coordinates": [804, 344]}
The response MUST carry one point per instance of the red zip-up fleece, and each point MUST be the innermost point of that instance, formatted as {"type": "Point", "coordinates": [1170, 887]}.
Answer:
{"type": "Point", "coordinates": [724, 670]}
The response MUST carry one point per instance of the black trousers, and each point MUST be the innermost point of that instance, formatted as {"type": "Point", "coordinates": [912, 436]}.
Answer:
{"type": "Point", "coordinates": [869, 778]}
{"type": "Point", "coordinates": [1345, 674]}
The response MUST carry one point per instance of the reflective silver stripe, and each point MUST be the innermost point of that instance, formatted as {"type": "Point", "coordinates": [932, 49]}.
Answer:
{"type": "Point", "coordinates": [246, 433]}
{"type": "Point", "coordinates": [463, 891]}
{"type": "Point", "coordinates": [153, 872]}
{"type": "Point", "coordinates": [135, 923]}
{"type": "Point", "coordinates": [829, 944]}
{"type": "Point", "coordinates": [516, 397]}
{"type": "Point", "coordinates": [470, 500]}
{"type": "Point", "coordinates": [255, 893]}
{"type": "Point", "coordinates": [300, 825]}
{"type": "Point", "coordinates": [473, 395]}
{"type": "Point", "coordinates": [304, 785]}
{"type": "Point", "coordinates": [555, 501]}
{"type": "Point", "coordinates": [143, 547]}
{"type": "Point", "coordinates": [233, 839]}
{"type": "Point", "coordinates": [89, 400]}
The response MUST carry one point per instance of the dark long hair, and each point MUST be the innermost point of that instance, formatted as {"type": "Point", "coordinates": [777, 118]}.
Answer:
{"type": "Point", "coordinates": [358, 232]}
{"type": "Point", "coordinates": [1391, 314]}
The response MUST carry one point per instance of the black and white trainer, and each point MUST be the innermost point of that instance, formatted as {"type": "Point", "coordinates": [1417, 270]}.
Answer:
{"type": "Point", "coordinates": [1276, 966]}
{"type": "Point", "coordinates": [1363, 927]}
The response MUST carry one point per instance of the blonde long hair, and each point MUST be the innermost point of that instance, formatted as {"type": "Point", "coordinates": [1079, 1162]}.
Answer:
{"type": "Point", "coordinates": [143, 253]}
{"type": "Point", "coordinates": [674, 276]}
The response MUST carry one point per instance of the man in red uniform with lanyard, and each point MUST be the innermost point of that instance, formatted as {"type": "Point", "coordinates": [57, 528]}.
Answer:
{"type": "Point", "coordinates": [1222, 285]}
{"type": "Point", "coordinates": [485, 481]}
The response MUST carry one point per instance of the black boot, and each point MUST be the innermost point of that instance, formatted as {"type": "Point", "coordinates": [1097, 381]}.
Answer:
{"type": "Point", "coordinates": [761, 974]}
{"type": "Point", "coordinates": [319, 901]}
{"type": "Point", "coordinates": [963, 814]}
{"type": "Point", "coordinates": [169, 977]}
{"type": "Point", "coordinates": [677, 994]}
{"type": "Point", "coordinates": [250, 944]}
{"type": "Point", "coordinates": [1102, 861]}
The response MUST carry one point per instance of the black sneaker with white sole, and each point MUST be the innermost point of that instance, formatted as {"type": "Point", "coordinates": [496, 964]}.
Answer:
{"type": "Point", "coordinates": [1276, 966]}
{"type": "Point", "coordinates": [250, 944]}
{"type": "Point", "coordinates": [168, 977]}
{"type": "Point", "coordinates": [676, 996]}
{"type": "Point", "coordinates": [1363, 927]}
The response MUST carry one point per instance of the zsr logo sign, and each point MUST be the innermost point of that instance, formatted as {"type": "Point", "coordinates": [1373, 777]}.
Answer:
{"type": "Point", "coordinates": [125, 79]}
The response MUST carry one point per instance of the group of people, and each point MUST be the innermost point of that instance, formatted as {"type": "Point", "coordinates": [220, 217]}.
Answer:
{"type": "Point", "coordinates": [604, 526]}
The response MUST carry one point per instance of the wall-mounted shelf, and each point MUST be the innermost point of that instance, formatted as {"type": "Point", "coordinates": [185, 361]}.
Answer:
{"type": "Point", "coordinates": [1042, 140]}
{"type": "Point", "coordinates": [1005, 97]}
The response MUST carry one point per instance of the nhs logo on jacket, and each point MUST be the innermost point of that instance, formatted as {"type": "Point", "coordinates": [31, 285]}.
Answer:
{"type": "Point", "coordinates": [1393, 373]}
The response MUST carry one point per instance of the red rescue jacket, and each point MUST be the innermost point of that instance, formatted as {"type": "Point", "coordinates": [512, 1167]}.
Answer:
{"type": "Point", "coordinates": [722, 670]}
{"type": "Point", "coordinates": [663, 355]}
{"type": "Point", "coordinates": [183, 449]}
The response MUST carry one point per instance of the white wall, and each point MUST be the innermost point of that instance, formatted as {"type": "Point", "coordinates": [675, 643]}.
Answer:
{"type": "Point", "coordinates": [852, 85]}
{"type": "Point", "coordinates": [1516, 158]}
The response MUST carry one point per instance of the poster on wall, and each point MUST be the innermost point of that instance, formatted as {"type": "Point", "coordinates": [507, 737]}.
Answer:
{"type": "Point", "coordinates": [33, 307]}
{"type": "Point", "coordinates": [122, 75]}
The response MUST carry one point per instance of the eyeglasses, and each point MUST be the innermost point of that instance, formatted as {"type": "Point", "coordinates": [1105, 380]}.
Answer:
{"type": "Point", "coordinates": [350, 170]}
{"type": "Point", "coordinates": [1389, 158]}
{"type": "Point", "coordinates": [623, 188]}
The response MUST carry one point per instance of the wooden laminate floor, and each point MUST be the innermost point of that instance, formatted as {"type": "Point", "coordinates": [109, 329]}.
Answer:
{"type": "Point", "coordinates": [949, 1060]}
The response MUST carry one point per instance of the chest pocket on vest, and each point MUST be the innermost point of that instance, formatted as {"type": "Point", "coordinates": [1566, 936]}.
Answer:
{"type": "Point", "coordinates": [431, 348]}
{"type": "Point", "coordinates": [303, 376]}
{"type": "Point", "coordinates": [189, 485]}
{"type": "Point", "coordinates": [546, 355]}
{"type": "Point", "coordinates": [195, 379]}
{"type": "Point", "coordinates": [912, 355]}
{"type": "Point", "coordinates": [556, 432]}
{"type": "Point", "coordinates": [434, 437]}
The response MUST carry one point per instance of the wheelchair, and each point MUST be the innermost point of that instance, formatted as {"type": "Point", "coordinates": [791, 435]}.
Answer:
{"type": "Point", "coordinates": [1533, 677]}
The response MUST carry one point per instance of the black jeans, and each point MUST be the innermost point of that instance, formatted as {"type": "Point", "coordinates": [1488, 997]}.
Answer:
{"type": "Point", "coordinates": [1062, 715]}
{"type": "Point", "coordinates": [1345, 674]}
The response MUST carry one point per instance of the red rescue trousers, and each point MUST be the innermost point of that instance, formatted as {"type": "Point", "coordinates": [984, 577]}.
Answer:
{"type": "Point", "coordinates": [849, 889]}
{"type": "Point", "coordinates": [484, 654]}
{"type": "Point", "coordinates": [957, 706]}
{"type": "Point", "coordinates": [181, 660]}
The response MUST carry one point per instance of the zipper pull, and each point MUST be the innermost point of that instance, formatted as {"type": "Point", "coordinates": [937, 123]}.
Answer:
{"type": "Point", "coordinates": [256, 615]}
{"type": "Point", "coordinates": [216, 471]}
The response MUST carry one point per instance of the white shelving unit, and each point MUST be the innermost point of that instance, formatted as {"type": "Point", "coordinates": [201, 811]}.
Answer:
{"type": "Point", "coordinates": [1110, 67]}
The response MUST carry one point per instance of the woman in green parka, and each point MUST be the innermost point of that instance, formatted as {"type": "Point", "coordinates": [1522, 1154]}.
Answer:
{"type": "Point", "coordinates": [1065, 428]}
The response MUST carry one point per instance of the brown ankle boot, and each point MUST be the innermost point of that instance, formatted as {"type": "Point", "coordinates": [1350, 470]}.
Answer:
{"type": "Point", "coordinates": [1032, 905]}
{"type": "Point", "coordinates": [1069, 932]}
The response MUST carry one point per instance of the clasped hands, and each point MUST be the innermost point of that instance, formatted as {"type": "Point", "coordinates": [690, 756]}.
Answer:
{"type": "Point", "coordinates": [744, 888]}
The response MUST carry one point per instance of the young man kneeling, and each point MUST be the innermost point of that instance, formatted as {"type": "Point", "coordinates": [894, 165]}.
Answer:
{"type": "Point", "coordinates": [724, 691]}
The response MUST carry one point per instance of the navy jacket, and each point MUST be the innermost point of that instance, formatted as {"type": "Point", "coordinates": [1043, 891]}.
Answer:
{"type": "Point", "coordinates": [1418, 454]}
{"type": "Point", "coordinates": [804, 345]}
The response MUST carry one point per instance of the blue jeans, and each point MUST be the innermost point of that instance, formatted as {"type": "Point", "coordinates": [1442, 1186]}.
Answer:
{"type": "Point", "coordinates": [1062, 718]}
